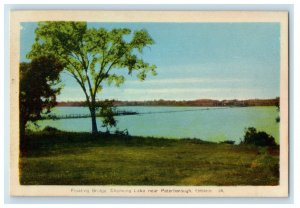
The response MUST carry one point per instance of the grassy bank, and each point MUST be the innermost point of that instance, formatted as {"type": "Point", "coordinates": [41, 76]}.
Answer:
{"type": "Point", "coordinates": [83, 159]}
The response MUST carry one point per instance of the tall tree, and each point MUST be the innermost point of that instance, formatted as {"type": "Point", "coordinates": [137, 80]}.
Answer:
{"type": "Point", "coordinates": [92, 56]}
{"type": "Point", "coordinates": [39, 85]}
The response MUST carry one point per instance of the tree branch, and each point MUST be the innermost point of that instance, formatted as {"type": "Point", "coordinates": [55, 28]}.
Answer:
{"type": "Point", "coordinates": [105, 75]}
{"type": "Point", "coordinates": [80, 81]}
{"type": "Point", "coordinates": [82, 87]}
{"type": "Point", "coordinates": [100, 78]}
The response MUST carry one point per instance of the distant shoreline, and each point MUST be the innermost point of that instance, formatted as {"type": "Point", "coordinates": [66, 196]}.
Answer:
{"type": "Point", "coordinates": [192, 103]}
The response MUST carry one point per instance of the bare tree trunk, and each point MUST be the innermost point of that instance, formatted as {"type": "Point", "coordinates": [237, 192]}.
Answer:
{"type": "Point", "coordinates": [94, 122]}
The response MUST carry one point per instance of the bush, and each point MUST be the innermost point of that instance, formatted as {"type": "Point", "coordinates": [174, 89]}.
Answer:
{"type": "Point", "coordinates": [107, 113]}
{"type": "Point", "coordinates": [50, 129]}
{"type": "Point", "coordinates": [227, 142]}
{"type": "Point", "coordinates": [259, 138]}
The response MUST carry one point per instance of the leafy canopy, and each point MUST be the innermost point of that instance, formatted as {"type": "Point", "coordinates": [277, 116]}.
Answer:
{"type": "Point", "coordinates": [39, 85]}
{"type": "Point", "coordinates": [91, 54]}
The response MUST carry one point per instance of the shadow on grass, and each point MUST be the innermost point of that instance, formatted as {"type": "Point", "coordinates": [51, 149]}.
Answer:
{"type": "Point", "coordinates": [44, 142]}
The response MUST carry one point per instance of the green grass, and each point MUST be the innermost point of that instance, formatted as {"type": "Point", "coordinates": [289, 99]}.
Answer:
{"type": "Point", "coordinates": [63, 158]}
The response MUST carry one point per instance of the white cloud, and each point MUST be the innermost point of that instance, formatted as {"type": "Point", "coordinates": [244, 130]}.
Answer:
{"type": "Point", "coordinates": [185, 90]}
{"type": "Point", "coordinates": [186, 81]}
{"type": "Point", "coordinates": [161, 89]}
{"type": "Point", "coordinates": [72, 94]}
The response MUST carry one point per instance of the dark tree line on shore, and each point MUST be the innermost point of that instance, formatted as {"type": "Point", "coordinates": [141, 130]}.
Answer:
{"type": "Point", "coordinates": [200, 102]}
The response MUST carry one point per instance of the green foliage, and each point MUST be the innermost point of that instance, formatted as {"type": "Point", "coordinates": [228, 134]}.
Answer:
{"type": "Point", "coordinates": [107, 112]}
{"type": "Point", "coordinates": [50, 129]}
{"type": "Point", "coordinates": [227, 142]}
{"type": "Point", "coordinates": [39, 85]}
{"type": "Point", "coordinates": [259, 138]}
{"type": "Point", "coordinates": [92, 55]}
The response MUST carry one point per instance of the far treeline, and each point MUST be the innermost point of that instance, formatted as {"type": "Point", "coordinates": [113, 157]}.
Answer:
{"type": "Point", "coordinates": [199, 102]}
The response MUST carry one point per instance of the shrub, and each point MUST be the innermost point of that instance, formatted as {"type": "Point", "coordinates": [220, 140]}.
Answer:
{"type": "Point", "coordinates": [50, 129]}
{"type": "Point", "coordinates": [227, 142]}
{"type": "Point", "coordinates": [259, 138]}
{"type": "Point", "coordinates": [107, 113]}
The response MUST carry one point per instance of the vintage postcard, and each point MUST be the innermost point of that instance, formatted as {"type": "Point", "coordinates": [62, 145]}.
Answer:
{"type": "Point", "coordinates": [149, 103]}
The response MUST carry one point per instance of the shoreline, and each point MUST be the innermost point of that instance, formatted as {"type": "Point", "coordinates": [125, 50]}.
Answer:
{"type": "Point", "coordinates": [192, 103]}
{"type": "Point", "coordinates": [103, 136]}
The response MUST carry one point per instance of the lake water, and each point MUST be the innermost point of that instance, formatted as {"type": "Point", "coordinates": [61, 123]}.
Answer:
{"type": "Point", "coordinates": [207, 123]}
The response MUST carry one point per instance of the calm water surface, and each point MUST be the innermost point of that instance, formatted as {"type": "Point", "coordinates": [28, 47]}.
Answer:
{"type": "Point", "coordinates": [207, 123]}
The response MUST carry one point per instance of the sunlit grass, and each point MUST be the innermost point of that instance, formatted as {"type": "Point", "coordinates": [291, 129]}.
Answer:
{"type": "Point", "coordinates": [83, 159]}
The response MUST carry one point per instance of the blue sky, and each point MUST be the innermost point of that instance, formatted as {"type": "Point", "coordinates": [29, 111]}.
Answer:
{"type": "Point", "coordinates": [194, 61]}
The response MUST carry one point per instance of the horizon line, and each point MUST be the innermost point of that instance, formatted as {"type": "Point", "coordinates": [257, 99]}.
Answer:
{"type": "Point", "coordinates": [176, 100]}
